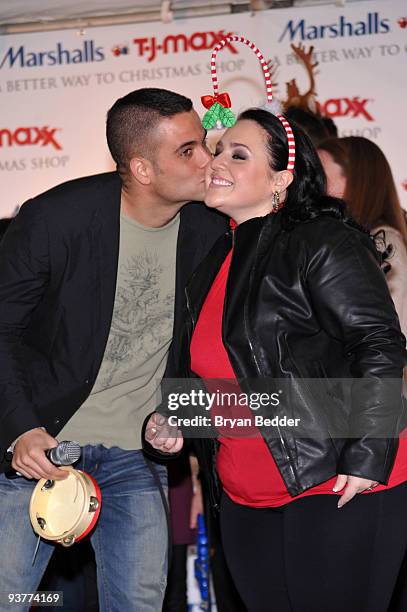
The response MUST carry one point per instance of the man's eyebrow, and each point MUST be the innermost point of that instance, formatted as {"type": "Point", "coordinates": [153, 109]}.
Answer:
{"type": "Point", "coordinates": [189, 143]}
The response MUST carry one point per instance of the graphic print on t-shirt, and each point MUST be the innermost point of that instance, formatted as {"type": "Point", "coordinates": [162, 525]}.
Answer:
{"type": "Point", "coordinates": [127, 386]}
{"type": "Point", "coordinates": [142, 317]}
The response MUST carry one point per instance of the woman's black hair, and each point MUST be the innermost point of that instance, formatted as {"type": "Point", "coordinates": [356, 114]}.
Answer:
{"type": "Point", "coordinates": [306, 196]}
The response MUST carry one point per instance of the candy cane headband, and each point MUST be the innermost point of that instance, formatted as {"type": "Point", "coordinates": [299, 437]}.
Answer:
{"type": "Point", "coordinates": [219, 112]}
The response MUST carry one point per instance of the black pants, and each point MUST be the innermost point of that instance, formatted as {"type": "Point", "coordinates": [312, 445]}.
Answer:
{"type": "Point", "coordinates": [226, 594]}
{"type": "Point", "coordinates": [308, 556]}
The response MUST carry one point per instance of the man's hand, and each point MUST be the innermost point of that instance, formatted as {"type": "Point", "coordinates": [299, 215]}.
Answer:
{"type": "Point", "coordinates": [354, 485]}
{"type": "Point", "coordinates": [162, 436]}
{"type": "Point", "coordinates": [29, 456]}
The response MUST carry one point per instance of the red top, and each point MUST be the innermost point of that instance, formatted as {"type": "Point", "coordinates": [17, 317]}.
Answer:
{"type": "Point", "coordinates": [245, 465]}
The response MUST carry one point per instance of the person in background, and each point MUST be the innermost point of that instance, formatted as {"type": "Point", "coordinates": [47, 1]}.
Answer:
{"type": "Point", "coordinates": [316, 127]}
{"type": "Point", "coordinates": [331, 126]}
{"type": "Point", "coordinates": [358, 171]}
{"type": "Point", "coordinates": [188, 498]}
{"type": "Point", "coordinates": [185, 501]}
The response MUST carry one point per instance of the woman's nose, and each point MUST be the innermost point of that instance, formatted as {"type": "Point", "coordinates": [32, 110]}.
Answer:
{"type": "Point", "coordinates": [217, 161]}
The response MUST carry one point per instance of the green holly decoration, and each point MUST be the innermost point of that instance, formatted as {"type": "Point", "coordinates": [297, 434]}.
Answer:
{"type": "Point", "coordinates": [227, 117]}
{"type": "Point", "coordinates": [211, 116]}
{"type": "Point", "coordinates": [218, 112]}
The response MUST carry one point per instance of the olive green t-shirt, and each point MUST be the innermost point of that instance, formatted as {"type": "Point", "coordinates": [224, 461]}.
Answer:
{"type": "Point", "coordinates": [127, 387]}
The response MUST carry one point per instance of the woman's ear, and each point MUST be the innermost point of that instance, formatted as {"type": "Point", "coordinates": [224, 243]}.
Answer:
{"type": "Point", "coordinates": [282, 180]}
{"type": "Point", "coordinates": [140, 169]}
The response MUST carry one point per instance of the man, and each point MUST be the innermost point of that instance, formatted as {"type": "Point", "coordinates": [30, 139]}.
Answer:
{"type": "Point", "coordinates": [87, 278]}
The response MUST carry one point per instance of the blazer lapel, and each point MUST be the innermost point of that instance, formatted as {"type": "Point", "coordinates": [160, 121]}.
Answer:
{"type": "Point", "coordinates": [106, 233]}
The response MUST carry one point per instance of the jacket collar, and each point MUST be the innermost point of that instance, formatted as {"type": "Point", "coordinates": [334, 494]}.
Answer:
{"type": "Point", "coordinates": [203, 277]}
{"type": "Point", "coordinates": [249, 241]}
{"type": "Point", "coordinates": [106, 233]}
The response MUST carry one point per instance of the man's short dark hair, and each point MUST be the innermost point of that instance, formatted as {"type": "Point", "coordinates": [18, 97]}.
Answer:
{"type": "Point", "coordinates": [133, 118]}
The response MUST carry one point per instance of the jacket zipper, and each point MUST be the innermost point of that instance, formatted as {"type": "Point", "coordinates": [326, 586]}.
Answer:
{"type": "Point", "coordinates": [256, 361]}
{"type": "Point", "coordinates": [214, 484]}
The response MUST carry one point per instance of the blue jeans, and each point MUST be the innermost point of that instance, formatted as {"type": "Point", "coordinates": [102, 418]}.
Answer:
{"type": "Point", "coordinates": [130, 539]}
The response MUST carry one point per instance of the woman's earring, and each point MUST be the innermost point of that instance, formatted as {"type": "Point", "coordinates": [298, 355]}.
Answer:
{"type": "Point", "coordinates": [275, 202]}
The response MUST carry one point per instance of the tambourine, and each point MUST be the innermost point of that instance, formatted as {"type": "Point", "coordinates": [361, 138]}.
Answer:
{"type": "Point", "coordinates": [65, 511]}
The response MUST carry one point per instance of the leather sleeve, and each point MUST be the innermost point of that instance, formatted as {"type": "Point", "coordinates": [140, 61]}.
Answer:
{"type": "Point", "coordinates": [352, 302]}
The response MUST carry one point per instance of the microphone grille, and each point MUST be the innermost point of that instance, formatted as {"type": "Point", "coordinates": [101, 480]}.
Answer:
{"type": "Point", "coordinates": [70, 450]}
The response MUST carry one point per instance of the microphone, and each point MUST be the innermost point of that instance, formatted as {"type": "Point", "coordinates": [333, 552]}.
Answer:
{"type": "Point", "coordinates": [66, 453]}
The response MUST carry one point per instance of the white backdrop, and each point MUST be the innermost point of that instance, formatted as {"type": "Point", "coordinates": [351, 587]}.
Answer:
{"type": "Point", "coordinates": [55, 87]}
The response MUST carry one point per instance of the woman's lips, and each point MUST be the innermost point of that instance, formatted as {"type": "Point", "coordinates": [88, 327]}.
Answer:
{"type": "Point", "coordinates": [217, 181]}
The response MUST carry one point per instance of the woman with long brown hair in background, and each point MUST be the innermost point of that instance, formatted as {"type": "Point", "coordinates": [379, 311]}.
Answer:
{"type": "Point", "coordinates": [358, 171]}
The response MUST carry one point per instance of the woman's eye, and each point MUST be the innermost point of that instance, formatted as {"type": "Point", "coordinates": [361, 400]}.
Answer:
{"type": "Point", "coordinates": [187, 153]}
{"type": "Point", "coordinates": [238, 156]}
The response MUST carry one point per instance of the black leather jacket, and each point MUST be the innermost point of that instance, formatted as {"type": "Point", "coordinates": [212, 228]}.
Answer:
{"type": "Point", "coordinates": [311, 302]}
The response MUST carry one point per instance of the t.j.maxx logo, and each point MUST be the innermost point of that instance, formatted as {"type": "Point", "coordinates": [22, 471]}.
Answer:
{"type": "Point", "coordinates": [174, 43]}
{"type": "Point", "coordinates": [23, 136]}
{"type": "Point", "coordinates": [345, 107]}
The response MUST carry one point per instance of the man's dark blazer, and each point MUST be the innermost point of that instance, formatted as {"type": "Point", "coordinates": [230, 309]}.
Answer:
{"type": "Point", "coordinates": [58, 268]}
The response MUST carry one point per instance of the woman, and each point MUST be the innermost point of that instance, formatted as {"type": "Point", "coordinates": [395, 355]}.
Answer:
{"type": "Point", "coordinates": [295, 292]}
{"type": "Point", "coordinates": [358, 171]}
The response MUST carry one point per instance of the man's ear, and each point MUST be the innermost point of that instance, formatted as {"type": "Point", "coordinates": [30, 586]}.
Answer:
{"type": "Point", "coordinates": [283, 179]}
{"type": "Point", "coordinates": [141, 170]}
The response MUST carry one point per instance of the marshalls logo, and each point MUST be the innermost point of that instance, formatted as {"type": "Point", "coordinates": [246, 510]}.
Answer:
{"type": "Point", "coordinates": [24, 136]}
{"type": "Point", "coordinates": [303, 30]}
{"type": "Point", "coordinates": [20, 57]}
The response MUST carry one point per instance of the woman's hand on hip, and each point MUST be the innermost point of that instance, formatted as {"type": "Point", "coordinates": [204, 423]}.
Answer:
{"type": "Point", "coordinates": [353, 485]}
